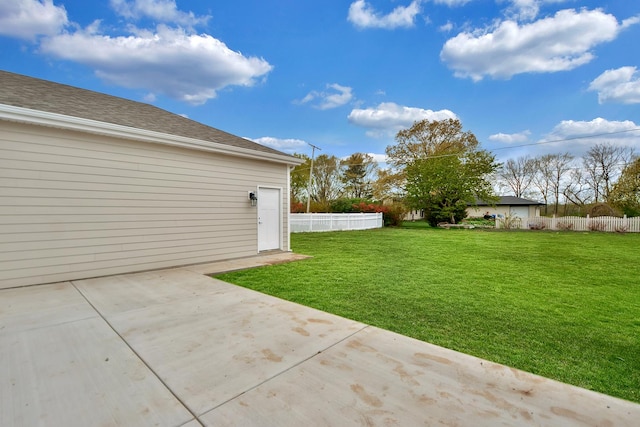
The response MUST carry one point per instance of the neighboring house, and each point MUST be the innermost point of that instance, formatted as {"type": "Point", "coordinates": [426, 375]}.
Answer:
{"type": "Point", "coordinates": [510, 206]}
{"type": "Point", "coordinates": [95, 185]}
{"type": "Point", "coordinates": [507, 206]}
{"type": "Point", "coordinates": [414, 215]}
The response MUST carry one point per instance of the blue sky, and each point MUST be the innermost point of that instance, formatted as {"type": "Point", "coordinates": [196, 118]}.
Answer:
{"type": "Point", "coordinates": [525, 76]}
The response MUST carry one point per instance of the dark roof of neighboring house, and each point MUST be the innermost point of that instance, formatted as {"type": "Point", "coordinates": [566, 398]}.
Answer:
{"type": "Point", "coordinates": [511, 201]}
{"type": "Point", "coordinates": [42, 95]}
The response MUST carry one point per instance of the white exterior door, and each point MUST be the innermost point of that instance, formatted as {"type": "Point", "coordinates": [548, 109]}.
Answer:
{"type": "Point", "coordinates": [269, 228]}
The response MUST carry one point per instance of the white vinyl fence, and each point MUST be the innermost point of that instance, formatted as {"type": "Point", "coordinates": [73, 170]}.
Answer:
{"type": "Point", "coordinates": [334, 221]}
{"type": "Point", "coordinates": [573, 223]}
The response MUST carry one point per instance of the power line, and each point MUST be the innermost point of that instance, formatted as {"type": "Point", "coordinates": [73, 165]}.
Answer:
{"type": "Point", "coordinates": [518, 146]}
{"type": "Point", "coordinates": [568, 139]}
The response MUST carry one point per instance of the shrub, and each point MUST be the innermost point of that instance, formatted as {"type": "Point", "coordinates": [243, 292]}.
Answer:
{"type": "Point", "coordinates": [345, 205]}
{"type": "Point", "coordinates": [480, 222]}
{"type": "Point", "coordinates": [565, 226]}
{"type": "Point", "coordinates": [602, 209]}
{"type": "Point", "coordinates": [437, 214]}
{"type": "Point", "coordinates": [395, 215]}
{"type": "Point", "coordinates": [630, 210]}
{"type": "Point", "coordinates": [298, 207]}
{"type": "Point", "coordinates": [392, 215]}
{"type": "Point", "coordinates": [536, 226]}
{"type": "Point", "coordinates": [510, 222]}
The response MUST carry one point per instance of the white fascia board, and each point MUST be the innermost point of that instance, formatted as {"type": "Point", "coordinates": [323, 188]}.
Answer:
{"type": "Point", "coordinates": [61, 121]}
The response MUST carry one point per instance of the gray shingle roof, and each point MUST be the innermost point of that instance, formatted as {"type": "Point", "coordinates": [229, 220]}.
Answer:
{"type": "Point", "coordinates": [42, 95]}
{"type": "Point", "coordinates": [512, 201]}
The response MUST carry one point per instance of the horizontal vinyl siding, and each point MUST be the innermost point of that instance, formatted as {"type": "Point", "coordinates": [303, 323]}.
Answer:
{"type": "Point", "coordinates": [75, 205]}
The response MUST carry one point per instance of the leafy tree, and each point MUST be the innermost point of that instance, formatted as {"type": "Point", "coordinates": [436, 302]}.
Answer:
{"type": "Point", "coordinates": [388, 186]}
{"type": "Point", "coordinates": [357, 175]}
{"type": "Point", "coordinates": [625, 194]}
{"type": "Point", "coordinates": [325, 184]}
{"type": "Point", "coordinates": [443, 169]}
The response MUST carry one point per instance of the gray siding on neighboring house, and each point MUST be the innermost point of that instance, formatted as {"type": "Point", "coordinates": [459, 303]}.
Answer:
{"type": "Point", "coordinates": [78, 205]}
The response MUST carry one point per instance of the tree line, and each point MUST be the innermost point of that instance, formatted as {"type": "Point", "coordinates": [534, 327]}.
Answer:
{"type": "Point", "coordinates": [567, 185]}
{"type": "Point", "coordinates": [438, 167]}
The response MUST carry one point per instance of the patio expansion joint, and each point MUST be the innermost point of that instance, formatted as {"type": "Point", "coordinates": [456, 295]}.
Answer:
{"type": "Point", "coordinates": [155, 374]}
{"type": "Point", "coordinates": [288, 369]}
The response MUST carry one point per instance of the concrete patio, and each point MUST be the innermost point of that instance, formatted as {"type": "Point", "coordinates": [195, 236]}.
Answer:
{"type": "Point", "coordinates": [177, 348]}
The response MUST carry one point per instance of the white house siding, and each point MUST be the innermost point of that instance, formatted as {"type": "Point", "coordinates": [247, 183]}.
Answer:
{"type": "Point", "coordinates": [521, 211]}
{"type": "Point", "coordinates": [480, 211]}
{"type": "Point", "coordinates": [75, 205]}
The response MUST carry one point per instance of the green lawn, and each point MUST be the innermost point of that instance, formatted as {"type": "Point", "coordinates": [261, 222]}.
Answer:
{"type": "Point", "coordinates": [562, 305]}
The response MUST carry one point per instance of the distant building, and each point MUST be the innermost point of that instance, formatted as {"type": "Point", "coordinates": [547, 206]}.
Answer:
{"type": "Point", "coordinates": [507, 206]}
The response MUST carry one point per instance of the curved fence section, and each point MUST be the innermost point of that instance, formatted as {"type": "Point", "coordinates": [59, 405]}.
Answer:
{"type": "Point", "coordinates": [334, 221]}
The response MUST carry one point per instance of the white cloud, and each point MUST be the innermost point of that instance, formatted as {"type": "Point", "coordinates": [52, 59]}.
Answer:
{"type": "Point", "coordinates": [577, 136]}
{"type": "Point", "coordinates": [379, 158]}
{"type": "Point", "coordinates": [511, 138]}
{"type": "Point", "coordinates": [334, 96]}
{"type": "Point", "coordinates": [621, 85]}
{"type": "Point", "coordinates": [527, 9]}
{"type": "Point", "coordinates": [288, 145]}
{"type": "Point", "coordinates": [446, 28]}
{"type": "Point", "coordinates": [160, 10]}
{"type": "Point", "coordinates": [558, 43]}
{"type": "Point", "coordinates": [187, 67]}
{"type": "Point", "coordinates": [363, 15]}
{"type": "Point", "coordinates": [27, 19]}
{"type": "Point", "coordinates": [388, 118]}
{"type": "Point", "coordinates": [524, 9]}
{"type": "Point", "coordinates": [150, 98]}
{"type": "Point", "coordinates": [452, 3]}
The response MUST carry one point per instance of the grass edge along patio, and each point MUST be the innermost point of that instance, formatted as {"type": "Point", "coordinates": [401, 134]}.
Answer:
{"type": "Point", "coordinates": [564, 305]}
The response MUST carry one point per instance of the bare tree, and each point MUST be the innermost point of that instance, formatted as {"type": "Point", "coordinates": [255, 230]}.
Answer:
{"type": "Point", "coordinates": [603, 164]}
{"type": "Point", "coordinates": [578, 191]}
{"type": "Point", "coordinates": [550, 177]}
{"type": "Point", "coordinates": [542, 178]}
{"type": "Point", "coordinates": [518, 174]}
{"type": "Point", "coordinates": [560, 166]}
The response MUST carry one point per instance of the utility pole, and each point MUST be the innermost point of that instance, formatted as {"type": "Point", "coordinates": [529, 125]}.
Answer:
{"type": "Point", "coordinates": [313, 152]}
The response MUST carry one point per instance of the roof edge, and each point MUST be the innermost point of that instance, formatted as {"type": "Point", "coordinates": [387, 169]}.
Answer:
{"type": "Point", "coordinates": [61, 121]}
{"type": "Point", "coordinates": [519, 202]}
